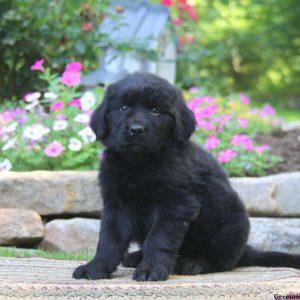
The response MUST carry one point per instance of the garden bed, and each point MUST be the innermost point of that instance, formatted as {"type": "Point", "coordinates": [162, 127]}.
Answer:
{"type": "Point", "coordinates": [285, 144]}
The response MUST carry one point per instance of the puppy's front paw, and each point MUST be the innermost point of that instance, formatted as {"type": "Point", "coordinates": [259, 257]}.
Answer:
{"type": "Point", "coordinates": [90, 271]}
{"type": "Point", "coordinates": [147, 273]}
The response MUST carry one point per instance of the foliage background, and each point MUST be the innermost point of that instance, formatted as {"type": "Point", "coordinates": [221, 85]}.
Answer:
{"type": "Point", "coordinates": [51, 29]}
{"type": "Point", "coordinates": [245, 45]}
{"type": "Point", "coordinates": [237, 45]}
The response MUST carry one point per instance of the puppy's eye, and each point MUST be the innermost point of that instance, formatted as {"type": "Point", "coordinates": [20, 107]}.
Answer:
{"type": "Point", "coordinates": [155, 111]}
{"type": "Point", "coordinates": [124, 108]}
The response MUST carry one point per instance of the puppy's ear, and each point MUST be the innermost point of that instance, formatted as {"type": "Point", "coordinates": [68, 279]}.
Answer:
{"type": "Point", "coordinates": [184, 119]}
{"type": "Point", "coordinates": [98, 121]}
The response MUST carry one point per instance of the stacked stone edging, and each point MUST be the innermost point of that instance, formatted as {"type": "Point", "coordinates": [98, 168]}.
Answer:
{"type": "Point", "coordinates": [20, 227]}
{"type": "Point", "coordinates": [51, 192]}
{"type": "Point", "coordinates": [71, 192]}
{"type": "Point", "coordinates": [275, 234]}
{"type": "Point", "coordinates": [64, 193]}
{"type": "Point", "coordinates": [72, 235]}
{"type": "Point", "coordinates": [274, 195]}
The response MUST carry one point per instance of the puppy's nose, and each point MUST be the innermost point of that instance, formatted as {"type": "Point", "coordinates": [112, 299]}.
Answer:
{"type": "Point", "coordinates": [136, 129]}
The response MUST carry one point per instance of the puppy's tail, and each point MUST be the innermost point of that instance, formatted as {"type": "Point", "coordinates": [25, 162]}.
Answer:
{"type": "Point", "coordinates": [253, 257]}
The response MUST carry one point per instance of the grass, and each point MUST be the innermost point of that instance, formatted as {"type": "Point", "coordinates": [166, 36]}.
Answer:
{"type": "Point", "coordinates": [288, 114]}
{"type": "Point", "coordinates": [17, 252]}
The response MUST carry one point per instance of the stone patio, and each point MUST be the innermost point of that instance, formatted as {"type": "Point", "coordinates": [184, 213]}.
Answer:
{"type": "Point", "coordinates": [28, 278]}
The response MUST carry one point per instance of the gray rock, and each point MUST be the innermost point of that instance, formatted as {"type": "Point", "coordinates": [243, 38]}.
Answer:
{"type": "Point", "coordinates": [275, 195]}
{"type": "Point", "coordinates": [275, 234]}
{"type": "Point", "coordinates": [71, 192]}
{"type": "Point", "coordinates": [73, 235]}
{"type": "Point", "coordinates": [19, 227]}
{"type": "Point", "coordinates": [290, 126]}
{"type": "Point", "coordinates": [51, 193]}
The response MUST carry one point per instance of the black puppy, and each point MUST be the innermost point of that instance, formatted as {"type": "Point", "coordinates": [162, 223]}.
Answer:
{"type": "Point", "coordinates": [163, 191]}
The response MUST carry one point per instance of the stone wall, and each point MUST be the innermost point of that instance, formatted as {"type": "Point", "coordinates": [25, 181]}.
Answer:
{"type": "Point", "coordinates": [50, 209]}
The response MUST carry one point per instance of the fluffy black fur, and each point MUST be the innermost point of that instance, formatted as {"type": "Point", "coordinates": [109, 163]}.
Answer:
{"type": "Point", "coordinates": [163, 191]}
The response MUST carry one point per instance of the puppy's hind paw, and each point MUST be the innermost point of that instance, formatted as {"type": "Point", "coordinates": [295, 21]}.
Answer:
{"type": "Point", "coordinates": [190, 266]}
{"type": "Point", "coordinates": [90, 271]}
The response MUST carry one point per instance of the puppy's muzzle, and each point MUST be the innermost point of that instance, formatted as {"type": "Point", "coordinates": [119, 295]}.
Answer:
{"type": "Point", "coordinates": [136, 129]}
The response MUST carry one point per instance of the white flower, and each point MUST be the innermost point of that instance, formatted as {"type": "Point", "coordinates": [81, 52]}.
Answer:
{"type": "Point", "coordinates": [5, 166]}
{"type": "Point", "coordinates": [87, 101]}
{"type": "Point", "coordinates": [50, 95]}
{"type": "Point", "coordinates": [4, 138]}
{"type": "Point", "coordinates": [60, 125]}
{"type": "Point", "coordinates": [87, 134]}
{"type": "Point", "coordinates": [82, 118]}
{"type": "Point", "coordinates": [74, 144]}
{"type": "Point", "coordinates": [31, 105]}
{"type": "Point", "coordinates": [35, 132]}
{"type": "Point", "coordinates": [11, 128]}
{"type": "Point", "coordinates": [32, 97]}
{"type": "Point", "coordinates": [9, 144]}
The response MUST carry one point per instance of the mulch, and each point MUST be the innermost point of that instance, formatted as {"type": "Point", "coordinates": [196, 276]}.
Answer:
{"type": "Point", "coordinates": [286, 145]}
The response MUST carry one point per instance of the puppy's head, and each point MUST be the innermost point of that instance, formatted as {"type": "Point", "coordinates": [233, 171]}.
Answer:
{"type": "Point", "coordinates": [142, 113]}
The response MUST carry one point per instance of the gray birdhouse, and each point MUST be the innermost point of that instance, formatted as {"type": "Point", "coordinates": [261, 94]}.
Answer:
{"type": "Point", "coordinates": [137, 24]}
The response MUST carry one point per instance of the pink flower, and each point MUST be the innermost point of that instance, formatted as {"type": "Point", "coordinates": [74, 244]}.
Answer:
{"type": "Point", "coordinates": [19, 110]}
{"type": "Point", "coordinates": [54, 149]}
{"type": "Point", "coordinates": [207, 111]}
{"type": "Point", "coordinates": [204, 124]}
{"type": "Point", "coordinates": [261, 149]}
{"type": "Point", "coordinates": [75, 102]}
{"type": "Point", "coordinates": [182, 41]}
{"type": "Point", "coordinates": [245, 99]}
{"type": "Point", "coordinates": [186, 39]}
{"type": "Point", "coordinates": [189, 9]}
{"type": "Point", "coordinates": [74, 67]}
{"type": "Point", "coordinates": [194, 89]}
{"type": "Point", "coordinates": [212, 142]}
{"type": "Point", "coordinates": [192, 12]}
{"type": "Point", "coordinates": [223, 120]}
{"type": "Point", "coordinates": [195, 102]}
{"type": "Point", "coordinates": [70, 78]}
{"type": "Point", "coordinates": [177, 22]}
{"type": "Point", "coordinates": [268, 110]}
{"type": "Point", "coordinates": [38, 65]}
{"type": "Point", "coordinates": [226, 156]}
{"type": "Point", "coordinates": [166, 2]}
{"type": "Point", "coordinates": [87, 26]}
{"type": "Point", "coordinates": [6, 116]}
{"type": "Point", "coordinates": [243, 123]}
{"type": "Point", "coordinates": [198, 101]}
{"type": "Point", "coordinates": [60, 117]}
{"type": "Point", "coordinates": [56, 106]}
{"type": "Point", "coordinates": [242, 139]}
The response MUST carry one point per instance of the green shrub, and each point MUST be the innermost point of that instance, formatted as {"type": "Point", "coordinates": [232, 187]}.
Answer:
{"type": "Point", "coordinates": [239, 45]}
{"type": "Point", "coordinates": [58, 31]}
